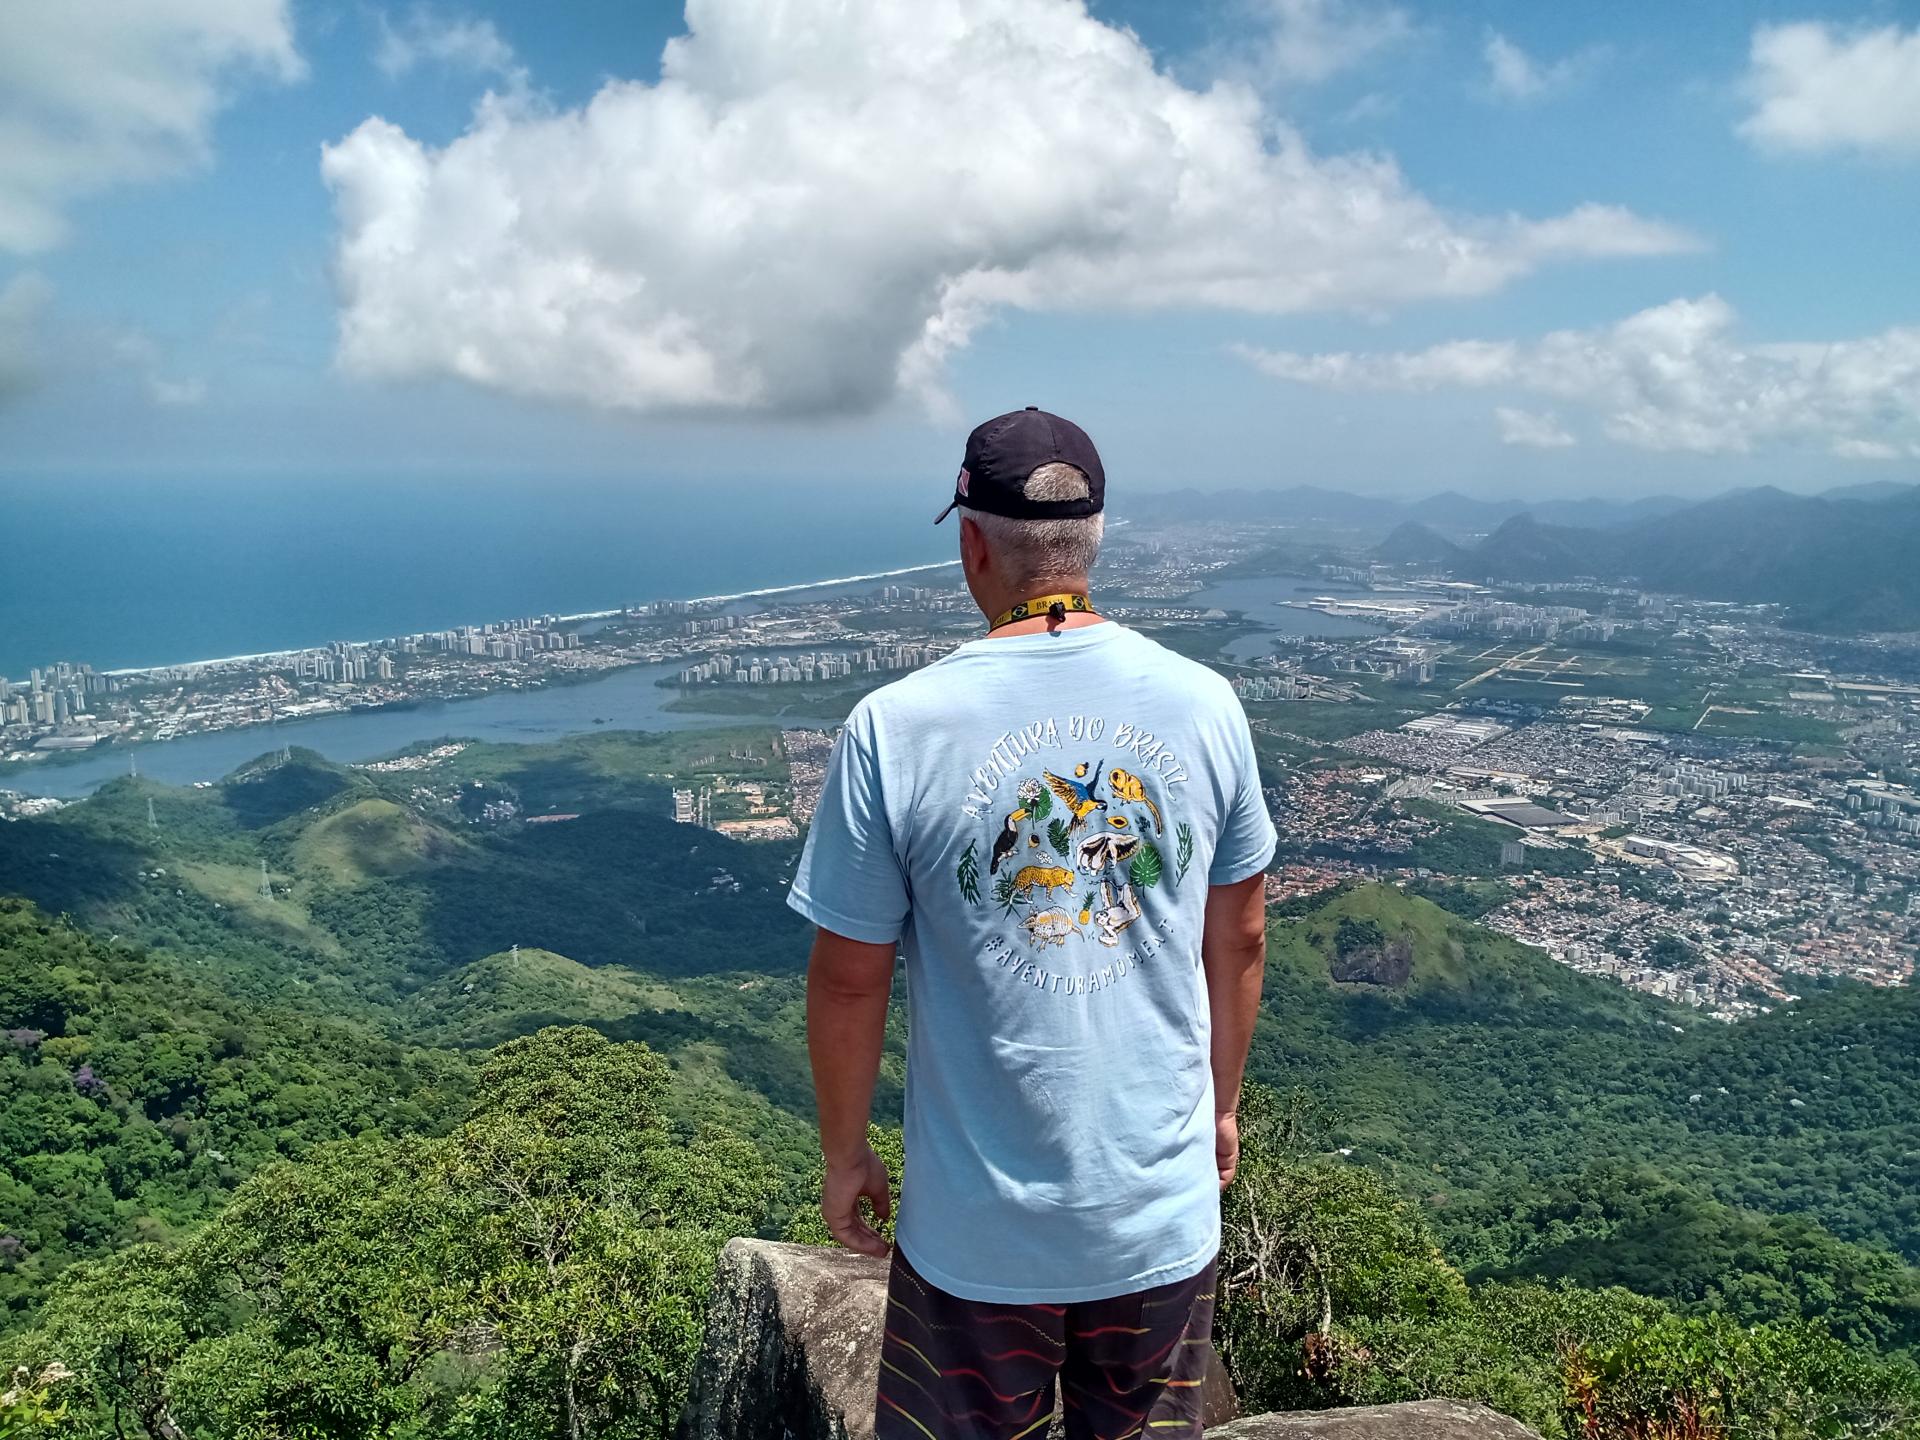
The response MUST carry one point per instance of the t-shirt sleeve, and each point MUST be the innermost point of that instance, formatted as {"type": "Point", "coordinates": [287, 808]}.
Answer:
{"type": "Point", "coordinates": [850, 880]}
{"type": "Point", "coordinates": [1247, 838]}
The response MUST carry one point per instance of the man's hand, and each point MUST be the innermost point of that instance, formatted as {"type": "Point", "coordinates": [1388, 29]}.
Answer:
{"type": "Point", "coordinates": [840, 1194]}
{"type": "Point", "coordinates": [1226, 1146]}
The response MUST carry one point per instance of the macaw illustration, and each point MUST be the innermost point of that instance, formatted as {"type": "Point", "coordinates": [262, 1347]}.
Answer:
{"type": "Point", "coordinates": [1128, 786]}
{"type": "Point", "coordinates": [1077, 795]}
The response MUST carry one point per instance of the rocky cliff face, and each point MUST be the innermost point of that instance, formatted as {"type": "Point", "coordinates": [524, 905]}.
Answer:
{"type": "Point", "coordinates": [793, 1353]}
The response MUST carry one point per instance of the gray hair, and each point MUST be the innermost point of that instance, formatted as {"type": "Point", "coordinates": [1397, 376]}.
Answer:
{"type": "Point", "coordinates": [1045, 549]}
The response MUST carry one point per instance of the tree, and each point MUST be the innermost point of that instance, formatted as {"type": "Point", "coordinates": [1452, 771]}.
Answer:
{"type": "Point", "coordinates": [1331, 1293]}
{"type": "Point", "coordinates": [544, 1268]}
{"type": "Point", "coordinates": [1309, 1247]}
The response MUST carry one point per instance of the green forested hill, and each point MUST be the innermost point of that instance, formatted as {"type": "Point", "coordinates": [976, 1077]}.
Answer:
{"type": "Point", "coordinates": [376, 889]}
{"type": "Point", "coordinates": [134, 1097]}
{"type": "Point", "coordinates": [1490, 1064]}
{"type": "Point", "coordinates": [1544, 1124]}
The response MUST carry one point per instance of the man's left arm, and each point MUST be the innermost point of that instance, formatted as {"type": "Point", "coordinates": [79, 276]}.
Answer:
{"type": "Point", "coordinates": [1233, 947]}
{"type": "Point", "coordinates": [848, 985]}
{"type": "Point", "coordinates": [1233, 950]}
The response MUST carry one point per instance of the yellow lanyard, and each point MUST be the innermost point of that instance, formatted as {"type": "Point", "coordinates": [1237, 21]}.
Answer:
{"type": "Point", "coordinates": [1042, 605]}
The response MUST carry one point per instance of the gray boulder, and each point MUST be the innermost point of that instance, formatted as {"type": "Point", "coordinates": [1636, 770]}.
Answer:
{"type": "Point", "coordinates": [792, 1350]}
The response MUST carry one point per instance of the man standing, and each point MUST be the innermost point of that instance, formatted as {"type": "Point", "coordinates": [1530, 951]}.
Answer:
{"type": "Point", "coordinates": [1061, 828]}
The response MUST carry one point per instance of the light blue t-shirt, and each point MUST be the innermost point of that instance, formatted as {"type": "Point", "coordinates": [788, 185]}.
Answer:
{"type": "Point", "coordinates": [1036, 819]}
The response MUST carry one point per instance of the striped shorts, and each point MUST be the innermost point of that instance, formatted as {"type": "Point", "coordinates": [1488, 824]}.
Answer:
{"type": "Point", "coordinates": [1129, 1368]}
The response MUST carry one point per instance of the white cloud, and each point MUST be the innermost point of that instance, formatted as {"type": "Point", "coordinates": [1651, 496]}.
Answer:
{"type": "Point", "coordinates": [459, 42]}
{"type": "Point", "coordinates": [136, 350]}
{"type": "Point", "coordinates": [818, 203]}
{"type": "Point", "coordinates": [1855, 449]}
{"type": "Point", "coordinates": [94, 93]}
{"type": "Point", "coordinates": [1818, 87]}
{"type": "Point", "coordinates": [23, 301]}
{"type": "Point", "coordinates": [1512, 74]}
{"type": "Point", "coordinates": [1538, 431]}
{"type": "Point", "coordinates": [190, 391]}
{"type": "Point", "coordinates": [1302, 42]}
{"type": "Point", "coordinates": [1675, 377]}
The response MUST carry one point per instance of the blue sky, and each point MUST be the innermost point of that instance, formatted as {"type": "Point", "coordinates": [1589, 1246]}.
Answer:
{"type": "Point", "coordinates": [1510, 248]}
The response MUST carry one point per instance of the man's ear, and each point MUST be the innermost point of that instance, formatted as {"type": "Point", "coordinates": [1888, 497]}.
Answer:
{"type": "Point", "coordinates": [973, 546]}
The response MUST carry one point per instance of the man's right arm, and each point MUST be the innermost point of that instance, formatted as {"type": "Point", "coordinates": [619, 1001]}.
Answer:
{"type": "Point", "coordinates": [1233, 950]}
{"type": "Point", "coordinates": [850, 885]}
{"type": "Point", "coordinates": [848, 983]}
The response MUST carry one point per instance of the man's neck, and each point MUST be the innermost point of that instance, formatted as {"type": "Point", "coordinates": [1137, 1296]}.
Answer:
{"type": "Point", "coordinates": [1041, 623]}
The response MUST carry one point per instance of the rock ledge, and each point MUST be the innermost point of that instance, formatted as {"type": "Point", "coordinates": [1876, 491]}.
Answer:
{"type": "Point", "coordinates": [1420, 1420]}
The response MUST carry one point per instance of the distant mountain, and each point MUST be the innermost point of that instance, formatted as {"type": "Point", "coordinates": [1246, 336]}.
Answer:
{"type": "Point", "coordinates": [1450, 513]}
{"type": "Point", "coordinates": [1843, 560]}
{"type": "Point", "coordinates": [1525, 549]}
{"type": "Point", "coordinates": [1412, 543]}
{"type": "Point", "coordinates": [1835, 564]}
{"type": "Point", "coordinates": [1605, 514]}
{"type": "Point", "coordinates": [1871, 490]}
{"type": "Point", "coordinates": [1453, 511]}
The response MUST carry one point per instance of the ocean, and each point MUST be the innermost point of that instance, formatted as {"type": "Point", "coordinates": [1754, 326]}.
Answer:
{"type": "Point", "coordinates": [166, 572]}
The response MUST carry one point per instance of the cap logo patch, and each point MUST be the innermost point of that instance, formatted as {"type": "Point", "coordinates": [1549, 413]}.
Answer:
{"type": "Point", "coordinates": [965, 479]}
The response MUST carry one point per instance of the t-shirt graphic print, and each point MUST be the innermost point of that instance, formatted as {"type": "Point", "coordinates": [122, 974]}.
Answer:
{"type": "Point", "coordinates": [1077, 858]}
{"type": "Point", "coordinates": [1036, 820]}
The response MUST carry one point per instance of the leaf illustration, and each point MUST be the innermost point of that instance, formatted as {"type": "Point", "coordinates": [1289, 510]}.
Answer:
{"type": "Point", "coordinates": [1145, 870]}
{"type": "Point", "coordinates": [1184, 855]}
{"type": "Point", "coordinates": [969, 873]}
{"type": "Point", "coordinates": [1057, 833]}
{"type": "Point", "coordinates": [1041, 805]}
{"type": "Point", "coordinates": [1004, 895]}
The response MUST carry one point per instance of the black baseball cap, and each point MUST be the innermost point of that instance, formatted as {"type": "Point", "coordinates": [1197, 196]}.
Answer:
{"type": "Point", "coordinates": [1002, 453]}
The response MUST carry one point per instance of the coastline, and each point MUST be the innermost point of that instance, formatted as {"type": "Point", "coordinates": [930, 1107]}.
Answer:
{"type": "Point", "coordinates": [563, 619]}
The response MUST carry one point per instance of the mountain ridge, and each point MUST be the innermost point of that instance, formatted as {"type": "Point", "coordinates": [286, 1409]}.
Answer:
{"type": "Point", "coordinates": [1831, 563]}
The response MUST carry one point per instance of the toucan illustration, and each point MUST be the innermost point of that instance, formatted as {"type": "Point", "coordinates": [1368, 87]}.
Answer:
{"type": "Point", "coordinates": [1004, 842]}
